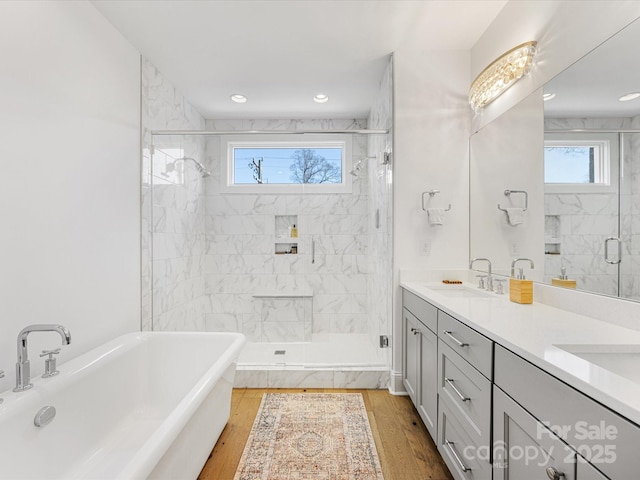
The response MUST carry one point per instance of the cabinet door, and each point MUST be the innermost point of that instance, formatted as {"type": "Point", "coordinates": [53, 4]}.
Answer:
{"type": "Point", "coordinates": [586, 471]}
{"type": "Point", "coordinates": [523, 448]}
{"type": "Point", "coordinates": [411, 340]}
{"type": "Point", "coordinates": [428, 393]}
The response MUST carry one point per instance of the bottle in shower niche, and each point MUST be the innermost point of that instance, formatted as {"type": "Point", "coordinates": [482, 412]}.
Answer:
{"type": "Point", "coordinates": [293, 231]}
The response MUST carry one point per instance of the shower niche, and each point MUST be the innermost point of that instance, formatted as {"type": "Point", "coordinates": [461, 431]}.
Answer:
{"type": "Point", "coordinates": [286, 241]}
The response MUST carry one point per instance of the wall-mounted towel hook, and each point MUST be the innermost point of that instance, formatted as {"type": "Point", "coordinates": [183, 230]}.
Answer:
{"type": "Point", "coordinates": [431, 194]}
{"type": "Point", "coordinates": [526, 199]}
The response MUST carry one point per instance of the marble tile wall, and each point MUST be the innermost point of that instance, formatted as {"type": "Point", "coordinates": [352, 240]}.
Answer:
{"type": "Point", "coordinates": [172, 210]}
{"type": "Point", "coordinates": [581, 222]}
{"type": "Point", "coordinates": [240, 243]}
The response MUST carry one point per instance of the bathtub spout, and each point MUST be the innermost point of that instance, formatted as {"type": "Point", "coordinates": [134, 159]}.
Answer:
{"type": "Point", "coordinates": [23, 371]}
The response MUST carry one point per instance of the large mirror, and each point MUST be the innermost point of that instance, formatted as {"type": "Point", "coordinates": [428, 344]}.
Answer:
{"type": "Point", "coordinates": [574, 148]}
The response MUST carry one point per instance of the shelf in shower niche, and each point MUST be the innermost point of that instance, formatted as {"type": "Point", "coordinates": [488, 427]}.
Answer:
{"type": "Point", "coordinates": [288, 248]}
{"type": "Point", "coordinates": [282, 295]}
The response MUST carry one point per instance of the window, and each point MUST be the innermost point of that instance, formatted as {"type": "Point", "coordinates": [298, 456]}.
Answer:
{"type": "Point", "coordinates": [578, 161]}
{"type": "Point", "coordinates": [273, 164]}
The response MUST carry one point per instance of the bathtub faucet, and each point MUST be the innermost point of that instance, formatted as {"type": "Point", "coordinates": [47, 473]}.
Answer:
{"type": "Point", "coordinates": [23, 373]}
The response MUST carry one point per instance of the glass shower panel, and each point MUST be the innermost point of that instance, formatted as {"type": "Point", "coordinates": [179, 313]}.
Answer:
{"type": "Point", "coordinates": [630, 216]}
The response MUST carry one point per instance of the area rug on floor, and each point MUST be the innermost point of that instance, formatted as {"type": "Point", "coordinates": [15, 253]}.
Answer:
{"type": "Point", "coordinates": [310, 436]}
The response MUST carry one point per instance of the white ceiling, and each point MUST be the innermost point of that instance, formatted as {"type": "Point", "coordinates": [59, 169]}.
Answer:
{"type": "Point", "coordinates": [591, 86]}
{"type": "Point", "coordinates": [279, 53]}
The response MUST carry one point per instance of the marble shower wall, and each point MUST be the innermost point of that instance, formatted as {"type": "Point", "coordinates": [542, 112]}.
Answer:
{"type": "Point", "coordinates": [630, 214]}
{"type": "Point", "coordinates": [172, 210]}
{"type": "Point", "coordinates": [245, 279]}
{"type": "Point", "coordinates": [581, 222]}
{"type": "Point", "coordinates": [381, 211]}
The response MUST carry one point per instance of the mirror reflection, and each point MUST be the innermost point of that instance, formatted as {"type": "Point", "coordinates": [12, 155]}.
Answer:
{"type": "Point", "coordinates": [580, 165]}
{"type": "Point", "coordinates": [591, 167]}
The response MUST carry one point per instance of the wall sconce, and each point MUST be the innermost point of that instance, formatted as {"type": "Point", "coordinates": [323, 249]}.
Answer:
{"type": "Point", "coordinates": [503, 72]}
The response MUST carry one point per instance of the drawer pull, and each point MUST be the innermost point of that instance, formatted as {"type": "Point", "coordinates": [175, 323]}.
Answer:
{"type": "Point", "coordinates": [462, 466]}
{"type": "Point", "coordinates": [458, 392]}
{"type": "Point", "coordinates": [554, 474]}
{"type": "Point", "coordinates": [415, 331]}
{"type": "Point", "coordinates": [458, 342]}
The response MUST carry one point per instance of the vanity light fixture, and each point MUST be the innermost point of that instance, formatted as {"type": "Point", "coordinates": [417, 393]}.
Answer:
{"type": "Point", "coordinates": [548, 96]}
{"type": "Point", "coordinates": [503, 72]}
{"type": "Point", "coordinates": [236, 97]}
{"type": "Point", "coordinates": [629, 96]}
{"type": "Point", "coordinates": [321, 98]}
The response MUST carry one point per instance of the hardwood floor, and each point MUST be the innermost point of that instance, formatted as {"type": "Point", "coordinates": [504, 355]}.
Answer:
{"type": "Point", "coordinates": [404, 446]}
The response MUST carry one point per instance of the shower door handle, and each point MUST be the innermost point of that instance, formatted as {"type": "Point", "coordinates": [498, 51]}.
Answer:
{"type": "Point", "coordinates": [606, 251]}
{"type": "Point", "coordinates": [313, 250]}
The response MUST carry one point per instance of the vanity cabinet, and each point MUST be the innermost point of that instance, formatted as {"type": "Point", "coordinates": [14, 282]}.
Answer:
{"type": "Point", "coordinates": [586, 471]}
{"type": "Point", "coordinates": [494, 415]}
{"type": "Point", "coordinates": [465, 360]}
{"type": "Point", "coordinates": [525, 449]}
{"type": "Point", "coordinates": [606, 440]}
{"type": "Point", "coordinates": [420, 357]}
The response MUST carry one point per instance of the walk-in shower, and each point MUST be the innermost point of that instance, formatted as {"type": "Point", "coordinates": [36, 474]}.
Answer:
{"type": "Point", "coordinates": [315, 301]}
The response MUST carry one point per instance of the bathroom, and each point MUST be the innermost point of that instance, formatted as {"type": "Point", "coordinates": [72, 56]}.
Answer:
{"type": "Point", "coordinates": [76, 249]}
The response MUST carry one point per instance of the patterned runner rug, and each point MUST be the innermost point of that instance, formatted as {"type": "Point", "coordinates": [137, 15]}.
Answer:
{"type": "Point", "coordinates": [310, 436]}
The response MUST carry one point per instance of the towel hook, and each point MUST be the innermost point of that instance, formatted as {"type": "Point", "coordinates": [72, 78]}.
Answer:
{"type": "Point", "coordinates": [526, 199]}
{"type": "Point", "coordinates": [431, 194]}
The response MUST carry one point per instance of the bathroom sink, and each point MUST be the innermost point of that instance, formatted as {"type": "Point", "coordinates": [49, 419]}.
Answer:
{"type": "Point", "coordinates": [623, 360]}
{"type": "Point", "coordinates": [459, 291]}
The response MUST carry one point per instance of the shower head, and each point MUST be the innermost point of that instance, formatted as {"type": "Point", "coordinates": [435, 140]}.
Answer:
{"type": "Point", "coordinates": [356, 168]}
{"type": "Point", "coordinates": [201, 168]}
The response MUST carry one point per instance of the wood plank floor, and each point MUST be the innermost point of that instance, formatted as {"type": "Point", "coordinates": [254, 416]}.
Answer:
{"type": "Point", "coordinates": [404, 446]}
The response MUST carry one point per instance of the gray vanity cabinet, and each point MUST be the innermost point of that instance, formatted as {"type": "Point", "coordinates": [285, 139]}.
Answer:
{"type": "Point", "coordinates": [586, 471]}
{"type": "Point", "coordinates": [420, 357]}
{"type": "Point", "coordinates": [464, 387]}
{"type": "Point", "coordinates": [525, 449]}
{"type": "Point", "coordinates": [608, 441]}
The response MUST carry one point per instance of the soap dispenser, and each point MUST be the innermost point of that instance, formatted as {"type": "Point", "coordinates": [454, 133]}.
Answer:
{"type": "Point", "coordinates": [563, 280]}
{"type": "Point", "coordinates": [520, 289]}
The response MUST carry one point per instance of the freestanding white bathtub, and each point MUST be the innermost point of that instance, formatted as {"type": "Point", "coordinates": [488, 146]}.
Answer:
{"type": "Point", "coordinates": [145, 405]}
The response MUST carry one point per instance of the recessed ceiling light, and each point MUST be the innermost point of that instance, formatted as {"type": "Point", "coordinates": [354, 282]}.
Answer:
{"type": "Point", "coordinates": [321, 98]}
{"type": "Point", "coordinates": [629, 96]}
{"type": "Point", "coordinates": [238, 98]}
{"type": "Point", "coordinates": [548, 96]}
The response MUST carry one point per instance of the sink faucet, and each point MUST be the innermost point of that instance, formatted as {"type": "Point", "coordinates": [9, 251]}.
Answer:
{"type": "Point", "coordinates": [489, 277]}
{"type": "Point", "coordinates": [23, 372]}
{"type": "Point", "coordinates": [513, 265]}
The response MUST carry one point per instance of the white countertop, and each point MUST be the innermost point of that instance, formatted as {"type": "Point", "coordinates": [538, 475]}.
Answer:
{"type": "Point", "coordinates": [533, 331]}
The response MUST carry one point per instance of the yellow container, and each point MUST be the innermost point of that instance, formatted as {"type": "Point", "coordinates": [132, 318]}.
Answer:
{"type": "Point", "coordinates": [521, 291]}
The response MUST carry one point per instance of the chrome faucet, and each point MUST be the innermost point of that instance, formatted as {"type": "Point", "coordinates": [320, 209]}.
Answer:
{"type": "Point", "coordinates": [513, 266]}
{"type": "Point", "coordinates": [23, 371]}
{"type": "Point", "coordinates": [489, 277]}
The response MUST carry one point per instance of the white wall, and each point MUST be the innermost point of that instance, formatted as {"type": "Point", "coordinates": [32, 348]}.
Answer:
{"type": "Point", "coordinates": [565, 31]}
{"type": "Point", "coordinates": [514, 162]}
{"type": "Point", "coordinates": [70, 183]}
{"type": "Point", "coordinates": [431, 134]}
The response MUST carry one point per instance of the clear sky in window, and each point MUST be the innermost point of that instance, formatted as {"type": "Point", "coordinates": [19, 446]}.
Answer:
{"type": "Point", "coordinates": [275, 162]}
{"type": "Point", "coordinates": [567, 164]}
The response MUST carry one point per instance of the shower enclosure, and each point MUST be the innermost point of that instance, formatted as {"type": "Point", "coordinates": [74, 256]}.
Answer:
{"type": "Point", "coordinates": [314, 303]}
{"type": "Point", "coordinates": [594, 234]}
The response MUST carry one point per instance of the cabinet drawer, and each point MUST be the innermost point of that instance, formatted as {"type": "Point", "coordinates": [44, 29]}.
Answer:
{"type": "Point", "coordinates": [423, 310]}
{"type": "Point", "coordinates": [580, 421]}
{"type": "Point", "coordinates": [466, 461]}
{"type": "Point", "coordinates": [474, 347]}
{"type": "Point", "coordinates": [467, 393]}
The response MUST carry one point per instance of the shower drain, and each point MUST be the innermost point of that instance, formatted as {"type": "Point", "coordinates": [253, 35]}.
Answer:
{"type": "Point", "coordinates": [279, 352]}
